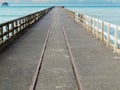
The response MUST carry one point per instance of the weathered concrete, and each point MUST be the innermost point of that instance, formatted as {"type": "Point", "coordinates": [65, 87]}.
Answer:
{"type": "Point", "coordinates": [98, 66]}
{"type": "Point", "coordinates": [56, 72]}
{"type": "Point", "coordinates": [18, 62]}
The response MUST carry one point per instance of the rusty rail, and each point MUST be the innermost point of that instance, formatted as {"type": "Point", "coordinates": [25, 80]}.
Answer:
{"type": "Point", "coordinates": [36, 74]}
{"type": "Point", "coordinates": [75, 70]}
{"type": "Point", "coordinates": [10, 30]}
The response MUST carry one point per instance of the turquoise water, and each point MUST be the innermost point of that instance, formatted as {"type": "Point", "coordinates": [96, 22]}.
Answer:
{"type": "Point", "coordinates": [109, 14]}
{"type": "Point", "coordinates": [10, 13]}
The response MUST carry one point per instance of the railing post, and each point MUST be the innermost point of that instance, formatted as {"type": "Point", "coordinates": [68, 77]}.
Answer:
{"type": "Point", "coordinates": [7, 30]}
{"type": "Point", "coordinates": [1, 35]}
{"type": "Point", "coordinates": [97, 30]}
{"type": "Point", "coordinates": [12, 29]}
{"type": "Point", "coordinates": [20, 27]}
{"type": "Point", "coordinates": [87, 22]}
{"type": "Point", "coordinates": [116, 39]}
{"type": "Point", "coordinates": [32, 19]}
{"type": "Point", "coordinates": [90, 24]}
{"type": "Point", "coordinates": [37, 16]}
{"type": "Point", "coordinates": [84, 24]}
{"type": "Point", "coordinates": [102, 38]}
{"type": "Point", "coordinates": [24, 22]}
{"type": "Point", "coordinates": [16, 25]}
{"type": "Point", "coordinates": [94, 26]}
{"type": "Point", "coordinates": [76, 16]}
{"type": "Point", "coordinates": [83, 20]}
{"type": "Point", "coordinates": [108, 36]}
{"type": "Point", "coordinates": [28, 21]}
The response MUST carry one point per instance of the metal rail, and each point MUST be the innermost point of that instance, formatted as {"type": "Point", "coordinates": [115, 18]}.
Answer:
{"type": "Point", "coordinates": [72, 60]}
{"type": "Point", "coordinates": [10, 30]}
{"type": "Point", "coordinates": [101, 29]}
{"type": "Point", "coordinates": [35, 77]}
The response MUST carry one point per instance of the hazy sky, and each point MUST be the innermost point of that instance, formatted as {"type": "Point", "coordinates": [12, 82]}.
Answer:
{"type": "Point", "coordinates": [60, 2]}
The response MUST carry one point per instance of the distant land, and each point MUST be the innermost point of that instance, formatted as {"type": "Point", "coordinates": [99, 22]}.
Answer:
{"type": "Point", "coordinates": [4, 4]}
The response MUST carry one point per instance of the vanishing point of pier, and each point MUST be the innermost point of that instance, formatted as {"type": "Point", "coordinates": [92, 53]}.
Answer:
{"type": "Point", "coordinates": [49, 50]}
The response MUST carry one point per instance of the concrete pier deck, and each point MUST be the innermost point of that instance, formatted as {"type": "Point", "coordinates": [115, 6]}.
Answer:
{"type": "Point", "coordinates": [98, 67]}
{"type": "Point", "coordinates": [56, 71]}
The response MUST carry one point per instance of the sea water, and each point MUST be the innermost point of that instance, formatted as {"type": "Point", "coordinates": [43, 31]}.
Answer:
{"type": "Point", "coordinates": [13, 12]}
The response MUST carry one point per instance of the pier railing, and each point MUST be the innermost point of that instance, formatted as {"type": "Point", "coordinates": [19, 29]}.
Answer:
{"type": "Point", "coordinates": [12, 29]}
{"type": "Point", "coordinates": [105, 31]}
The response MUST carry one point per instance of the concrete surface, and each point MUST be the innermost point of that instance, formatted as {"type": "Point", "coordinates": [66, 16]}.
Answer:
{"type": "Point", "coordinates": [56, 72]}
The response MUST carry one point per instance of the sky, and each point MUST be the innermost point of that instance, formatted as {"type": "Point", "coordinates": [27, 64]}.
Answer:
{"type": "Point", "coordinates": [61, 2]}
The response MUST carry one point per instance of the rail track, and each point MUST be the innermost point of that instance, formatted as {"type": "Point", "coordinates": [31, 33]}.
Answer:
{"type": "Point", "coordinates": [36, 74]}
{"type": "Point", "coordinates": [72, 59]}
{"type": "Point", "coordinates": [75, 71]}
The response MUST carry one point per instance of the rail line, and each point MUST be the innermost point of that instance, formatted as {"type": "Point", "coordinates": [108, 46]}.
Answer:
{"type": "Point", "coordinates": [72, 60]}
{"type": "Point", "coordinates": [36, 74]}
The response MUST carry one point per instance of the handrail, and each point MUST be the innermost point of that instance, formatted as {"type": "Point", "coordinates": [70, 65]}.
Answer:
{"type": "Point", "coordinates": [11, 29]}
{"type": "Point", "coordinates": [105, 31]}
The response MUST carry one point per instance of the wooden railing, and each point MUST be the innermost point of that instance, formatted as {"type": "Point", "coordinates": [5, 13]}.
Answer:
{"type": "Point", "coordinates": [12, 29]}
{"type": "Point", "coordinates": [105, 31]}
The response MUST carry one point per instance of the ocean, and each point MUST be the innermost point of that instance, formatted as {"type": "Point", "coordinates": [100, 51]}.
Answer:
{"type": "Point", "coordinates": [13, 12]}
{"type": "Point", "coordinates": [108, 14]}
